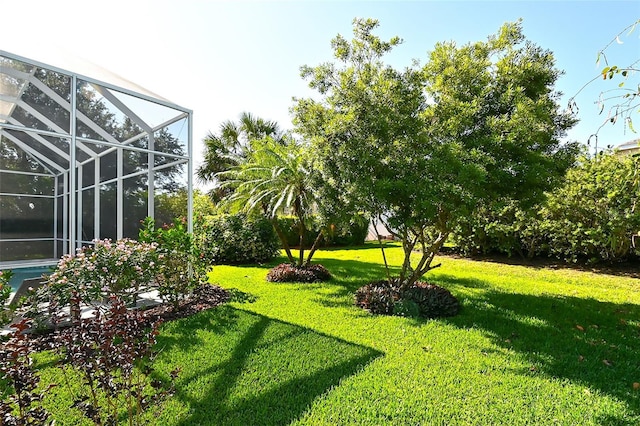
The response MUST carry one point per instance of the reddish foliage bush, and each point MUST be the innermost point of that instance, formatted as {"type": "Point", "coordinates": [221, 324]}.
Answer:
{"type": "Point", "coordinates": [21, 400]}
{"type": "Point", "coordinates": [378, 297]}
{"type": "Point", "coordinates": [433, 301]}
{"type": "Point", "coordinates": [423, 299]}
{"type": "Point", "coordinates": [287, 273]}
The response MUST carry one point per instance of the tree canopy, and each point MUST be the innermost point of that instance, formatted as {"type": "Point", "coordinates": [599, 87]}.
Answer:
{"type": "Point", "coordinates": [418, 148]}
{"type": "Point", "coordinates": [231, 146]}
{"type": "Point", "coordinates": [275, 177]}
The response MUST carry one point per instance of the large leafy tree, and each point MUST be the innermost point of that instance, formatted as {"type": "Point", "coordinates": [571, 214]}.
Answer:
{"type": "Point", "coordinates": [276, 177]}
{"type": "Point", "coordinates": [419, 148]}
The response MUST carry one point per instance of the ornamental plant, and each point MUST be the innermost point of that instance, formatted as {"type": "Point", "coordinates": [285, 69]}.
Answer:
{"type": "Point", "coordinates": [309, 273]}
{"type": "Point", "coordinates": [112, 352]}
{"type": "Point", "coordinates": [421, 299]}
{"type": "Point", "coordinates": [5, 293]}
{"type": "Point", "coordinates": [180, 267]}
{"type": "Point", "coordinates": [21, 397]}
{"type": "Point", "coordinates": [124, 268]}
{"type": "Point", "coordinates": [236, 239]}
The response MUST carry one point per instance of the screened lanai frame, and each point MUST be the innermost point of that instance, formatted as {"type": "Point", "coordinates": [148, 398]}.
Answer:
{"type": "Point", "coordinates": [83, 159]}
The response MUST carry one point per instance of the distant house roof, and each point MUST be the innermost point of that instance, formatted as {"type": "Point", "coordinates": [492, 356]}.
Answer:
{"type": "Point", "coordinates": [629, 148]}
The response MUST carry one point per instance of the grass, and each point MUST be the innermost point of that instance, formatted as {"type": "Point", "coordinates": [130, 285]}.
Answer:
{"type": "Point", "coordinates": [531, 346]}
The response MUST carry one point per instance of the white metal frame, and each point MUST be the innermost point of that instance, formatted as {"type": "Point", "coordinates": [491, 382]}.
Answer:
{"type": "Point", "coordinates": [71, 176]}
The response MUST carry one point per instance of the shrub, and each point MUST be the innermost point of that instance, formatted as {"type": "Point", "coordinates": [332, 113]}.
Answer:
{"type": "Point", "coordinates": [595, 213]}
{"type": "Point", "coordinates": [351, 233]}
{"type": "Point", "coordinates": [432, 301]}
{"type": "Point", "coordinates": [377, 297]}
{"type": "Point", "coordinates": [21, 382]}
{"type": "Point", "coordinates": [124, 268]}
{"type": "Point", "coordinates": [590, 217]}
{"type": "Point", "coordinates": [167, 260]}
{"type": "Point", "coordinates": [287, 273]}
{"type": "Point", "coordinates": [112, 353]}
{"type": "Point", "coordinates": [179, 267]}
{"type": "Point", "coordinates": [236, 239]}
{"type": "Point", "coordinates": [421, 299]}
{"type": "Point", "coordinates": [5, 292]}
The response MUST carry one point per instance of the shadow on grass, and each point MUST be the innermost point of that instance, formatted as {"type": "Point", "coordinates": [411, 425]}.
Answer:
{"type": "Point", "coordinates": [348, 276]}
{"type": "Point", "coordinates": [365, 246]}
{"type": "Point", "coordinates": [583, 340]}
{"type": "Point", "coordinates": [256, 370]}
{"type": "Point", "coordinates": [627, 268]}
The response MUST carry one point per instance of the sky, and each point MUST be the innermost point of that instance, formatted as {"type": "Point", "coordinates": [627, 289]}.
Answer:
{"type": "Point", "coordinates": [221, 58]}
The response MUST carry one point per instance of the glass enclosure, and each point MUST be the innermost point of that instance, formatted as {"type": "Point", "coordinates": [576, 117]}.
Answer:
{"type": "Point", "coordinates": [83, 159]}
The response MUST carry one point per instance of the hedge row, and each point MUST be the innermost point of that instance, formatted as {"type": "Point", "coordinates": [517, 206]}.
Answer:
{"type": "Point", "coordinates": [238, 239]}
{"type": "Point", "coordinates": [592, 217]}
{"type": "Point", "coordinates": [352, 233]}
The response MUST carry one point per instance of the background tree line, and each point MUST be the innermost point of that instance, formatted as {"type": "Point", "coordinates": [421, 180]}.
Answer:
{"type": "Point", "coordinates": [593, 216]}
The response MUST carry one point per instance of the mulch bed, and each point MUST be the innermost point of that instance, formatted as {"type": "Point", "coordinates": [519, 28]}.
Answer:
{"type": "Point", "coordinates": [203, 298]}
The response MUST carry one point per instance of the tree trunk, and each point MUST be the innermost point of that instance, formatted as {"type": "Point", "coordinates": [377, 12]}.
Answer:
{"type": "Point", "coordinates": [384, 256]}
{"type": "Point", "coordinates": [297, 209]}
{"type": "Point", "coordinates": [407, 246]}
{"type": "Point", "coordinates": [301, 233]}
{"type": "Point", "coordinates": [424, 266]}
{"type": "Point", "coordinates": [283, 239]}
{"type": "Point", "coordinates": [314, 247]}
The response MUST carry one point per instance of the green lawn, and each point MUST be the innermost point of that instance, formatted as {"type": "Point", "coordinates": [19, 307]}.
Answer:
{"type": "Point", "coordinates": [530, 346]}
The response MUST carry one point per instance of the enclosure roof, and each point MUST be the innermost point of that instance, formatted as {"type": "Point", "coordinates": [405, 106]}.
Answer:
{"type": "Point", "coordinates": [66, 63]}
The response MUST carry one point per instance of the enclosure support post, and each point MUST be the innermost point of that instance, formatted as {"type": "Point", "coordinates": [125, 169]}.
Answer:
{"type": "Point", "coordinates": [96, 199]}
{"type": "Point", "coordinates": [190, 174]}
{"type": "Point", "coordinates": [151, 184]}
{"type": "Point", "coordinates": [79, 207]}
{"type": "Point", "coordinates": [56, 255]}
{"type": "Point", "coordinates": [65, 213]}
{"type": "Point", "coordinates": [119, 196]}
{"type": "Point", "coordinates": [71, 189]}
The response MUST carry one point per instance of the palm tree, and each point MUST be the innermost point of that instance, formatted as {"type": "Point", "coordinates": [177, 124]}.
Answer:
{"type": "Point", "coordinates": [231, 146]}
{"type": "Point", "coordinates": [276, 177]}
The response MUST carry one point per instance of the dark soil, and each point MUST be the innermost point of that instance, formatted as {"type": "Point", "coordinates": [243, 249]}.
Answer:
{"type": "Point", "coordinates": [203, 298]}
{"type": "Point", "coordinates": [288, 273]}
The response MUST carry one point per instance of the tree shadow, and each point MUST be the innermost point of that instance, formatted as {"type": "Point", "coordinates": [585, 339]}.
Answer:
{"type": "Point", "coordinates": [365, 246]}
{"type": "Point", "coordinates": [181, 333]}
{"type": "Point", "coordinates": [240, 296]}
{"type": "Point", "coordinates": [627, 268]}
{"type": "Point", "coordinates": [584, 340]}
{"type": "Point", "coordinates": [259, 370]}
{"type": "Point", "coordinates": [348, 276]}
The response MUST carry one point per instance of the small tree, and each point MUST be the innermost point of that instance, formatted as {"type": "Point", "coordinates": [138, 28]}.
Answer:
{"type": "Point", "coordinates": [231, 146]}
{"type": "Point", "coordinates": [419, 148]}
{"type": "Point", "coordinates": [276, 177]}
